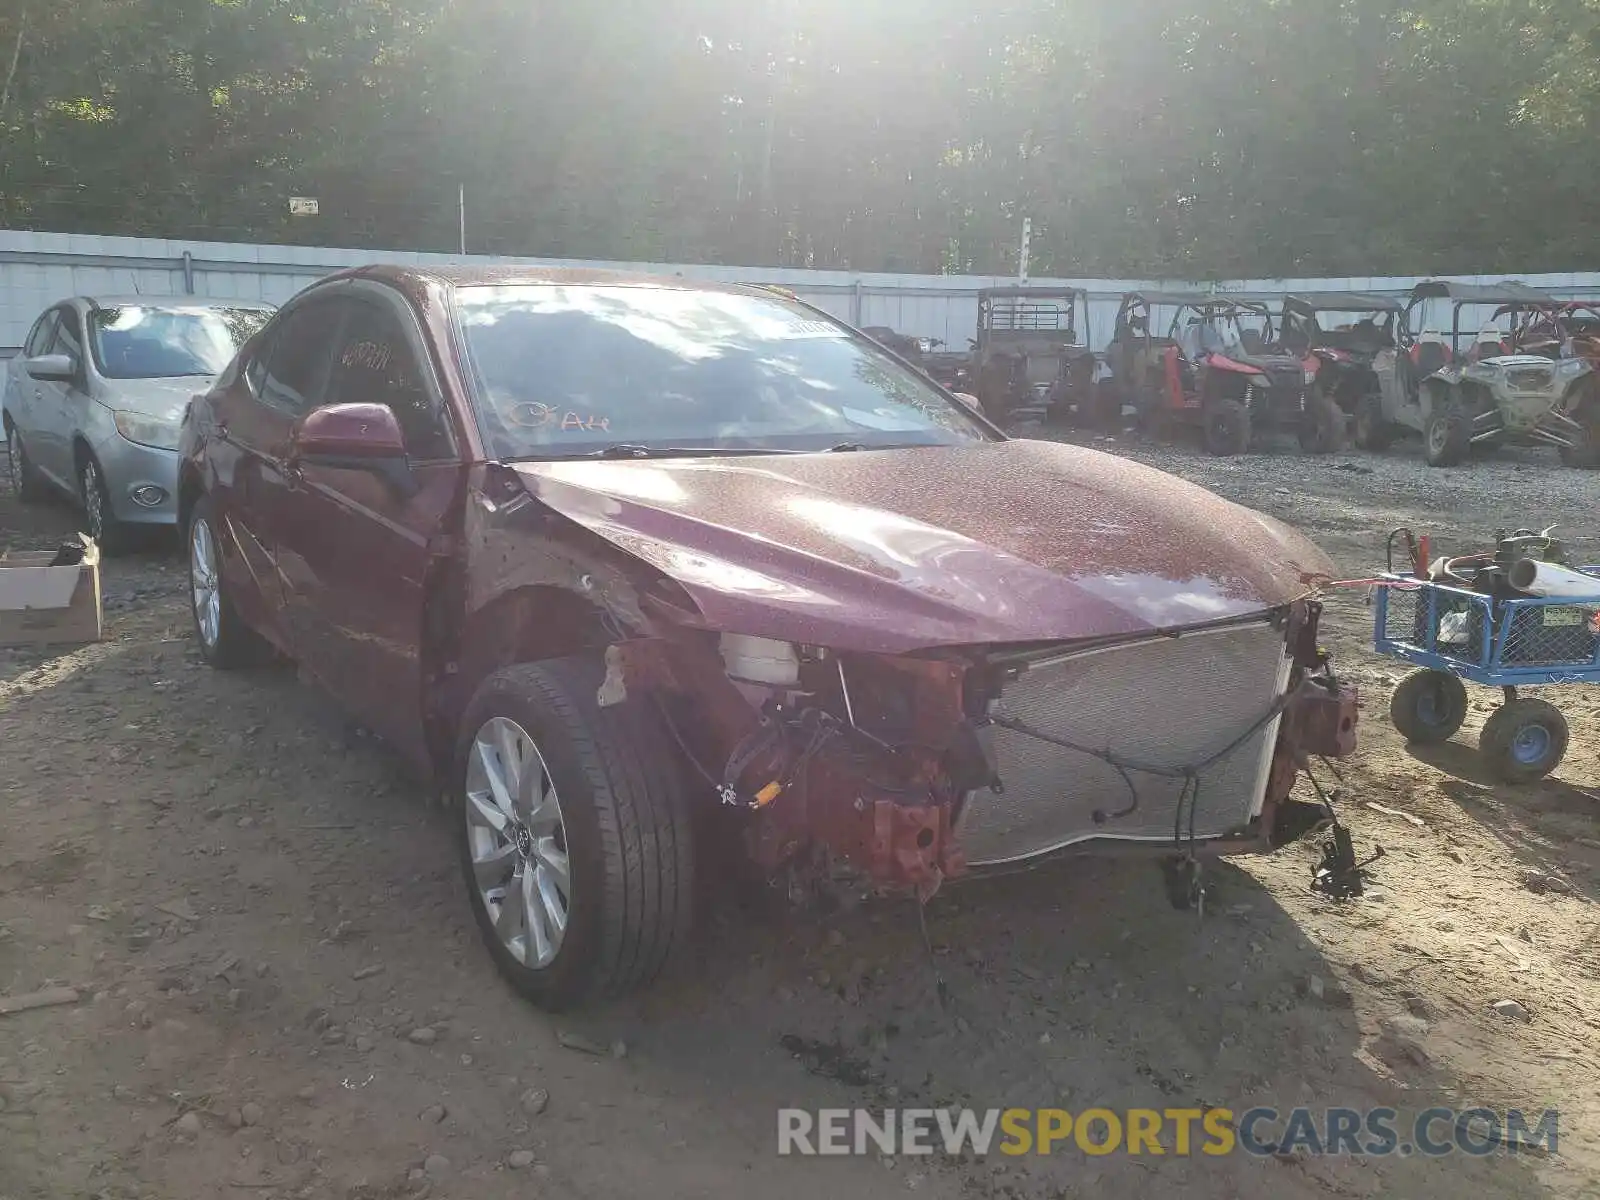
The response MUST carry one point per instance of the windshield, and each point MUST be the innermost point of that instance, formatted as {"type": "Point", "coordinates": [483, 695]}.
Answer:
{"type": "Point", "coordinates": [563, 371]}
{"type": "Point", "coordinates": [1340, 327]}
{"type": "Point", "coordinates": [140, 342]}
{"type": "Point", "coordinates": [1220, 333]}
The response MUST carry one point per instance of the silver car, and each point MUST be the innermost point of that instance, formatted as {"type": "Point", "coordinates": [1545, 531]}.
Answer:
{"type": "Point", "coordinates": [93, 404]}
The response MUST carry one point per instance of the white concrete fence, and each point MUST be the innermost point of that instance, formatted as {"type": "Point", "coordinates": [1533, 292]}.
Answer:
{"type": "Point", "coordinates": [37, 269]}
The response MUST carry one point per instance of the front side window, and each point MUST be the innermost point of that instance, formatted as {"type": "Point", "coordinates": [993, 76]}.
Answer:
{"type": "Point", "coordinates": [69, 335]}
{"type": "Point", "coordinates": [168, 342]}
{"type": "Point", "coordinates": [374, 364]}
{"type": "Point", "coordinates": [563, 371]}
{"type": "Point", "coordinates": [41, 335]}
{"type": "Point", "coordinates": [299, 358]}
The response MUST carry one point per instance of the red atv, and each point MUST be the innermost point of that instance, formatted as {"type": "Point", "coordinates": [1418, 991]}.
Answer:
{"type": "Point", "coordinates": [1217, 368]}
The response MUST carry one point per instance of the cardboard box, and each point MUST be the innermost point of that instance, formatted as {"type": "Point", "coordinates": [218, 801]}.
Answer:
{"type": "Point", "coordinates": [41, 605]}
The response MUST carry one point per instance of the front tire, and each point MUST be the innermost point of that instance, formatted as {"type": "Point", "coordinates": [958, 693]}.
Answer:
{"type": "Point", "coordinates": [1372, 429]}
{"type": "Point", "coordinates": [1524, 740]}
{"type": "Point", "coordinates": [1102, 407]}
{"type": "Point", "coordinates": [226, 642]}
{"type": "Point", "coordinates": [575, 834]}
{"type": "Point", "coordinates": [1322, 425]}
{"type": "Point", "coordinates": [1448, 436]}
{"type": "Point", "coordinates": [1227, 427]}
{"type": "Point", "coordinates": [1585, 453]}
{"type": "Point", "coordinates": [111, 535]}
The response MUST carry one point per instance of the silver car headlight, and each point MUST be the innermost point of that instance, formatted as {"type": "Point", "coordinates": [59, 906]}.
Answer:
{"type": "Point", "coordinates": [155, 432]}
{"type": "Point", "coordinates": [1571, 366]}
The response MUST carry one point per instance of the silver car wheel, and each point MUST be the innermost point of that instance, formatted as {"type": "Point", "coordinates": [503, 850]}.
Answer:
{"type": "Point", "coordinates": [205, 581]}
{"type": "Point", "coordinates": [94, 501]}
{"type": "Point", "coordinates": [518, 842]}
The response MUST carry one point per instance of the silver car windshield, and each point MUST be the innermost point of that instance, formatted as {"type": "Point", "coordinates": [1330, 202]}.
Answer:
{"type": "Point", "coordinates": [562, 371]}
{"type": "Point", "coordinates": [151, 342]}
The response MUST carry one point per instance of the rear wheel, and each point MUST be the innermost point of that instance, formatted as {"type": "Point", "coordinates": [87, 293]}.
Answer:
{"type": "Point", "coordinates": [1428, 706]}
{"type": "Point", "coordinates": [1524, 740]}
{"type": "Point", "coordinates": [1372, 429]}
{"type": "Point", "coordinates": [26, 482]}
{"type": "Point", "coordinates": [1322, 424]}
{"type": "Point", "coordinates": [226, 642]}
{"type": "Point", "coordinates": [1227, 427]}
{"type": "Point", "coordinates": [1448, 435]}
{"type": "Point", "coordinates": [576, 842]}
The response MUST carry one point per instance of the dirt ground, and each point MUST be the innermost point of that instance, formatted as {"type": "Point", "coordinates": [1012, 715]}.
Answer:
{"type": "Point", "coordinates": [281, 992]}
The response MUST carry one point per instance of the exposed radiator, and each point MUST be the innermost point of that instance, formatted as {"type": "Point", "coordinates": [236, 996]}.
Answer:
{"type": "Point", "coordinates": [1165, 701]}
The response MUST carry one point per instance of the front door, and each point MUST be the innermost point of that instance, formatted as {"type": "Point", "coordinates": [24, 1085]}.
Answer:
{"type": "Point", "coordinates": [356, 550]}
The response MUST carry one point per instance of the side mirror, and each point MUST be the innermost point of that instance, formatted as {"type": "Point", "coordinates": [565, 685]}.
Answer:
{"type": "Point", "coordinates": [969, 400]}
{"type": "Point", "coordinates": [354, 437]}
{"type": "Point", "coordinates": [364, 431]}
{"type": "Point", "coordinates": [53, 368]}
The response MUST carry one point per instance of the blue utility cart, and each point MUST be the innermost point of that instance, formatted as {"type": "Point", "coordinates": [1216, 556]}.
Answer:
{"type": "Point", "coordinates": [1454, 634]}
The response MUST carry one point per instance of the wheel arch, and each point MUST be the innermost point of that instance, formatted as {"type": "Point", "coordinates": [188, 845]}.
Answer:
{"type": "Point", "coordinates": [190, 488]}
{"type": "Point", "coordinates": [82, 452]}
{"type": "Point", "coordinates": [534, 622]}
{"type": "Point", "coordinates": [1435, 392]}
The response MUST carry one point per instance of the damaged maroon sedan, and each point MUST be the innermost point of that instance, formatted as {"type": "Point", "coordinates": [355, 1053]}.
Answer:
{"type": "Point", "coordinates": [631, 564]}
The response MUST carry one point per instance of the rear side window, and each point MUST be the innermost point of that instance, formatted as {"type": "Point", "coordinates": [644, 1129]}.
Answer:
{"type": "Point", "coordinates": [376, 364]}
{"type": "Point", "coordinates": [297, 363]}
{"type": "Point", "coordinates": [42, 334]}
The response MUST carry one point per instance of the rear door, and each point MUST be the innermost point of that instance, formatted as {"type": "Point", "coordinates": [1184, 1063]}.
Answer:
{"type": "Point", "coordinates": [282, 380]}
{"type": "Point", "coordinates": [355, 550]}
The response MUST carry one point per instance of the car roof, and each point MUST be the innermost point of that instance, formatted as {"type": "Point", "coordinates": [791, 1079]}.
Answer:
{"type": "Point", "coordinates": [415, 279]}
{"type": "Point", "coordinates": [1343, 302]}
{"type": "Point", "coordinates": [1507, 291]}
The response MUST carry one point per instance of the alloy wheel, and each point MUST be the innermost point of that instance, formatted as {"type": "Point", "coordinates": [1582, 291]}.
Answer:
{"type": "Point", "coordinates": [204, 581]}
{"type": "Point", "coordinates": [518, 842]}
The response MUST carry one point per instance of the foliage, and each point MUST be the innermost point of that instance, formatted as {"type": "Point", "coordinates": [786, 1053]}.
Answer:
{"type": "Point", "coordinates": [1176, 138]}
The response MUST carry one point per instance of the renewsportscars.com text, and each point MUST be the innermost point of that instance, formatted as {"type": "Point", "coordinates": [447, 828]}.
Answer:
{"type": "Point", "coordinates": [1180, 1132]}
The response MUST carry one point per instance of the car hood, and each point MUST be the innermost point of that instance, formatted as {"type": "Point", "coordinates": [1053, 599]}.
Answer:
{"type": "Point", "coordinates": [164, 398]}
{"type": "Point", "coordinates": [1518, 360]}
{"type": "Point", "coordinates": [893, 550]}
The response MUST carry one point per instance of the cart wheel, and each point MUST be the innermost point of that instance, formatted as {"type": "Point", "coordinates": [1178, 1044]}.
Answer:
{"type": "Point", "coordinates": [1428, 706]}
{"type": "Point", "coordinates": [1227, 427]}
{"type": "Point", "coordinates": [1524, 740]}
